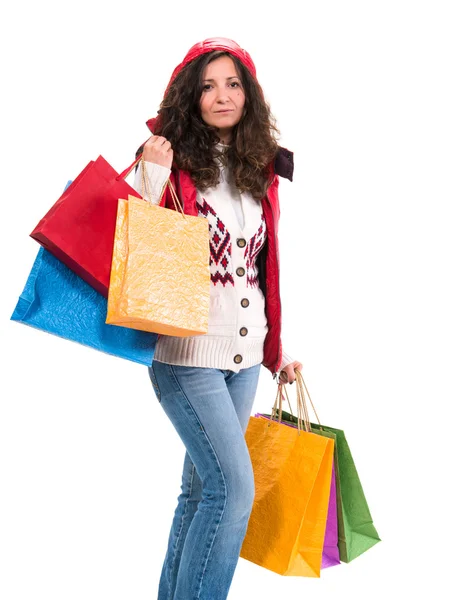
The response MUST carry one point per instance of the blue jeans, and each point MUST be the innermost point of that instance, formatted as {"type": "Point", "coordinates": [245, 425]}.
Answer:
{"type": "Point", "coordinates": [210, 410]}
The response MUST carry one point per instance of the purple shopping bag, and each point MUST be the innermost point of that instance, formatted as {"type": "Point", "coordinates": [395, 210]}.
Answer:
{"type": "Point", "coordinates": [330, 555]}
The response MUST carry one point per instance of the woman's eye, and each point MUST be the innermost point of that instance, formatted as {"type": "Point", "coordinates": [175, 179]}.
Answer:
{"type": "Point", "coordinates": [233, 84]}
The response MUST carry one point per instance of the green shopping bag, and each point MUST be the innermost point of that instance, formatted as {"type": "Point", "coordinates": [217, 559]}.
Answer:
{"type": "Point", "coordinates": [357, 533]}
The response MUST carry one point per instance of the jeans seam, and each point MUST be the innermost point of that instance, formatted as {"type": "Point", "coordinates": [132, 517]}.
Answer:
{"type": "Point", "coordinates": [155, 383]}
{"type": "Point", "coordinates": [183, 516]}
{"type": "Point", "coordinates": [214, 533]}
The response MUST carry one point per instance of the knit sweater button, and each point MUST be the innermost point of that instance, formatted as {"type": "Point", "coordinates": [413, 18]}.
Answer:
{"type": "Point", "coordinates": [241, 242]}
{"type": "Point", "coordinates": [238, 358]}
{"type": "Point", "coordinates": [243, 330]}
{"type": "Point", "coordinates": [240, 271]}
{"type": "Point", "coordinates": [245, 302]}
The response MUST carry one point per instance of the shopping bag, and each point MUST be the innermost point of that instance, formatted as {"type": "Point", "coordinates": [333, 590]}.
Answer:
{"type": "Point", "coordinates": [160, 278]}
{"type": "Point", "coordinates": [357, 532]}
{"type": "Point", "coordinates": [57, 301]}
{"type": "Point", "coordinates": [330, 553]}
{"type": "Point", "coordinates": [79, 228]}
{"type": "Point", "coordinates": [292, 471]}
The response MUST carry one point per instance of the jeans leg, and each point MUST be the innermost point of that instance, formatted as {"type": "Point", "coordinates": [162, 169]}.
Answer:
{"type": "Point", "coordinates": [187, 502]}
{"type": "Point", "coordinates": [211, 517]}
{"type": "Point", "coordinates": [242, 389]}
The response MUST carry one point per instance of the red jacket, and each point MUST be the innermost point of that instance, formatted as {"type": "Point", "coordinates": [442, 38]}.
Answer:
{"type": "Point", "coordinates": [268, 258]}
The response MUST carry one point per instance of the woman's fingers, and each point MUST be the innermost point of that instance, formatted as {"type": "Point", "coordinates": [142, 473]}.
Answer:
{"type": "Point", "coordinates": [287, 375]}
{"type": "Point", "coordinates": [158, 150]}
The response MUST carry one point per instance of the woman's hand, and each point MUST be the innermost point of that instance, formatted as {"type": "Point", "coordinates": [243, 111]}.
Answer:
{"type": "Point", "coordinates": [287, 375]}
{"type": "Point", "coordinates": [159, 151]}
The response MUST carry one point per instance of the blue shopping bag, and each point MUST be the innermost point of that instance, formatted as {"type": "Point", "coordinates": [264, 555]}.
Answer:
{"type": "Point", "coordinates": [57, 301]}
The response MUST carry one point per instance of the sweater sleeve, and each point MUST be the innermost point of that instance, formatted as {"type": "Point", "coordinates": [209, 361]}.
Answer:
{"type": "Point", "coordinates": [285, 360]}
{"type": "Point", "coordinates": [157, 178]}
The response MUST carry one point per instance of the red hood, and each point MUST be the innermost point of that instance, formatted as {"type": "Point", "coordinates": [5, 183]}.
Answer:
{"type": "Point", "coordinates": [209, 45]}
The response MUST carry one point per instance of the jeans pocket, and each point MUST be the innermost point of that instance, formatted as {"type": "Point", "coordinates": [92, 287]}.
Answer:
{"type": "Point", "coordinates": [154, 383]}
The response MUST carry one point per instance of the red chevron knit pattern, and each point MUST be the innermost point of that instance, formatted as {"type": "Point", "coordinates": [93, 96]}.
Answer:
{"type": "Point", "coordinates": [220, 248]}
{"type": "Point", "coordinates": [252, 250]}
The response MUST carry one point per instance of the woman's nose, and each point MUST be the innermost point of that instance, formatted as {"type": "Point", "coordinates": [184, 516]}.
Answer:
{"type": "Point", "coordinates": [222, 95]}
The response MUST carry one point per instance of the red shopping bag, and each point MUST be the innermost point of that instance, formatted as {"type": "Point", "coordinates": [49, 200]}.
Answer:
{"type": "Point", "coordinates": [79, 228]}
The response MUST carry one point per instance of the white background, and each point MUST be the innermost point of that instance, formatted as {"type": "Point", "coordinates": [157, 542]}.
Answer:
{"type": "Point", "coordinates": [90, 465]}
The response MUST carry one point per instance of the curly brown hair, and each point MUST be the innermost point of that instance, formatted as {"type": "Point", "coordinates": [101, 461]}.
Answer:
{"type": "Point", "coordinates": [254, 139]}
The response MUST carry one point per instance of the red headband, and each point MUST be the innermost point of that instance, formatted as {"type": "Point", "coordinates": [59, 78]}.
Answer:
{"type": "Point", "coordinates": [211, 44]}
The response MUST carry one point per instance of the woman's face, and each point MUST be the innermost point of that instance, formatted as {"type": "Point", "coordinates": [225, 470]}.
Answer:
{"type": "Point", "coordinates": [222, 100]}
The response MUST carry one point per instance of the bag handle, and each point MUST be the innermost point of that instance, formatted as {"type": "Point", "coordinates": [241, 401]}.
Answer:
{"type": "Point", "coordinates": [303, 421]}
{"type": "Point", "coordinates": [145, 185]}
{"type": "Point", "coordinates": [301, 384]}
{"type": "Point", "coordinates": [128, 169]}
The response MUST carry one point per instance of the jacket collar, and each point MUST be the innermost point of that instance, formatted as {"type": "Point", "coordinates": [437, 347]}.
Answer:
{"type": "Point", "coordinates": [284, 163]}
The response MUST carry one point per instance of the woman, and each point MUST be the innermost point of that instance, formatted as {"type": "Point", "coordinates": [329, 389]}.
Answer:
{"type": "Point", "coordinates": [214, 137]}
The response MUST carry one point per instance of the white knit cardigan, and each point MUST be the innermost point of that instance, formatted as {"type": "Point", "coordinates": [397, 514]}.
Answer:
{"type": "Point", "coordinates": [237, 323]}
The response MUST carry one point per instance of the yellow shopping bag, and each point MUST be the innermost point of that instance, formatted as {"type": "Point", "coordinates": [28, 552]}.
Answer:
{"type": "Point", "coordinates": [160, 278]}
{"type": "Point", "coordinates": [292, 471]}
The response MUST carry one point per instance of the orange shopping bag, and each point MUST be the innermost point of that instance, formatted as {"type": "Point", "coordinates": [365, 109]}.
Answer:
{"type": "Point", "coordinates": [292, 470]}
{"type": "Point", "coordinates": [160, 278]}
